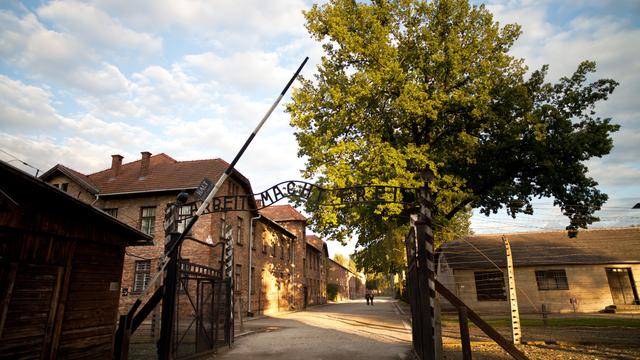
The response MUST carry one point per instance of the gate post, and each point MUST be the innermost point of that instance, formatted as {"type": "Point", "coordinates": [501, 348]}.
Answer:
{"type": "Point", "coordinates": [426, 269]}
{"type": "Point", "coordinates": [165, 343]}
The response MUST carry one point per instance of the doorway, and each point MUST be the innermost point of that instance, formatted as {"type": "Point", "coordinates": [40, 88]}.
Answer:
{"type": "Point", "coordinates": [623, 290]}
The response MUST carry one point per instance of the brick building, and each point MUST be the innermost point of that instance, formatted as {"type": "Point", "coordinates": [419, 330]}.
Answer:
{"type": "Point", "coordinates": [315, 270]}
{"type": "Point", "coordinates": [292, 220]}
{"type": "Point", "coordinates": [138, 192]}
{"type": "Point", "coordinates": [276, 265]}
{"type": "Point", "coordinates": [350, 285]}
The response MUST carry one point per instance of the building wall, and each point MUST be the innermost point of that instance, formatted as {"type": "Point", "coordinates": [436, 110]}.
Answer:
{"type": "Point", "coordinates": [271, 260]}
{"type": "Point", "coordinates": [73, 188]}
{"type": "Point", "coordinates": [298, 228]}
{"type": "Point", "coordinates": [315, 275]}
{"type": "Point", "coordinates": [338, 275]}
{"type": "Point", "coordinates": [588, 284]}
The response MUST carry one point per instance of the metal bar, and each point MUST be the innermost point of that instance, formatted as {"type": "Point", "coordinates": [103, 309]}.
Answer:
{"type": "Point", "coordinates": [231, 166]}
{"type": "Point", "coordinates": [464, 333]}
{"type": "Point", "coordinates": [147, 309]}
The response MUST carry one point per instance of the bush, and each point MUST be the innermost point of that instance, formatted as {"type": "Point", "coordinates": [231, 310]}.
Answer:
{"type": "Point", "coordinates": [332, 292]}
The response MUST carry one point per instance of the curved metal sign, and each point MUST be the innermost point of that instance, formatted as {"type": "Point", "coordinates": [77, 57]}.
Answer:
{"type": "Point", "coordinates": [316, 195]}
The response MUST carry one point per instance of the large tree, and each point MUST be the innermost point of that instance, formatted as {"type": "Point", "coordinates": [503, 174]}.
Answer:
{"type": "Point", "coordinates": [408, 89]}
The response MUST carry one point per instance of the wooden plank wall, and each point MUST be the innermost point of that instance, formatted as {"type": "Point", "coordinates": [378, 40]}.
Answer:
{"type": "Point", "coordinates": [64, 300]}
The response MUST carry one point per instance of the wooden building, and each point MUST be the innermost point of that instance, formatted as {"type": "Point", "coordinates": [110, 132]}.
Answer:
{"type": "Point", "coordinates": [61, 262]}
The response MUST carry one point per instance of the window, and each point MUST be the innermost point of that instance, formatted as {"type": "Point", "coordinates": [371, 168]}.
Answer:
{"type": "Point", "coordinates": [233, 188]}
{"type": "Point", "coordinates": [239, 232]}
{"type": "Point", "coordinates": [490, 286]}
{"type": "Point", "coordinates": [274, 248]}
{"type": "Point", "coordinates": [184, 214]}
{"type": "Point", "coordinates": [281, 249]}
{"type": "Point", "coordinates": [57, 186]}
{"type": "Point", "coordinates": [148, 220]}
{"type": "Point", "coordinates": [552, 280]}
{"type": "Point", "coordinates": [304, 267]}
{"type": "Point", "coordinates": [291, 250]}
{"type": "Point", "coordinates": [64, 187]}
{"type": "Point", "coordinates": [264, 243]}
{"type": "Point", "coordinates": [254, 280]}
{"type": "Point", "coordinates": [142, 275]}
{"type": "Point", "coordinates": [238, 279]}
{"type": "Point", "coordinates": [222, 225]}
{"type": "Point", "coordinates": [113, 212]}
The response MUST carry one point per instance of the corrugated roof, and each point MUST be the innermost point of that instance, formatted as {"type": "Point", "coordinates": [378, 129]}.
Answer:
{"type": "Point", "coordinates": [599, 246]}
{"type": "Point", "coordinates": [282, 213]}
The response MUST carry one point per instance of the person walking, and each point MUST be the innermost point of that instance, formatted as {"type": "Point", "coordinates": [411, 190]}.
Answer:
{"type": "Point", "coordinates": [369, 296]}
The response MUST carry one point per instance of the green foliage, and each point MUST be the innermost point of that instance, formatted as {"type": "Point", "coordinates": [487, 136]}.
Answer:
{"type": "Point", "coordinates": [408, 88]}
{"type": "Point", "coordinates": [332, 291]}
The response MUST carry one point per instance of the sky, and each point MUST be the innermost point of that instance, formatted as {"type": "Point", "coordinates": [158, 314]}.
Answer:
{"type": "Point", "coordinates": [80, 81]}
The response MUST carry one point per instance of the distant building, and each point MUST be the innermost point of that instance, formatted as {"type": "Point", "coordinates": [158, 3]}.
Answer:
{"type": "Point", "coordinates": [317, 257]}
{"type": "Point", "coordinates": [599, 268]}
{"type": "Point", "coordinates": [350, 285]}
{"type": "Point", "coordinates": [61, 263]}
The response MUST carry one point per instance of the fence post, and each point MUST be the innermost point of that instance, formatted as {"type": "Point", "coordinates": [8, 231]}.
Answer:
{"type": "Point", "coordinates": [426, 269]}
{"type": "Point", "coordinates": [516, 329]}
{"type": "Point", "coordinates": [465, 340]}
{"type": "Point", "coordinates": [165, 342]}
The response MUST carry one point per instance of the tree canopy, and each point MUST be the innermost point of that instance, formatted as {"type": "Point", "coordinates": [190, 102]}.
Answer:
{"type": "Point", "coordinates": [409, 87]}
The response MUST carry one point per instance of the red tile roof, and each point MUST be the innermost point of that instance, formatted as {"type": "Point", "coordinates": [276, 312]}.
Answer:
{"type": "Point", "coordinates": [282, 213]}
{"type": "Point", "coordinates": [165, 173]}
{"type": "Point", "coordinates": [314, 241]}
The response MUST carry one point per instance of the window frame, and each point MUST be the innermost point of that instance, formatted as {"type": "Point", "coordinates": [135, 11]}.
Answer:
{"type": "Point", "coordinates": [239, 232]}
{"type": "Point", "coordinates": [150, 220]}
{"type": "Point", "coordinates": [144, 272]}
{"type": "Point", "coordinates": [112, 212]}
{"type": "Point", "coordinates": [544, 279]}
{"type": "Point", "coordinates": [238, 279]}
{"type": "Point", "coordinates": [483, 292]}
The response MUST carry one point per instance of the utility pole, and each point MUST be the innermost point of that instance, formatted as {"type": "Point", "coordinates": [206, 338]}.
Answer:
{"type": "Point", "coordinates": [516, 330]}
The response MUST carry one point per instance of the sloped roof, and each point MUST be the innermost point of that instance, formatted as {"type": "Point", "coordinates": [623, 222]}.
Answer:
{"type": "Point", "coordinates": [81, 179]}
{"type": "Point", "coordinates": [164, 173]}
{"type": "Point", "coordinates": [32, 197]}
{"type": "Point", "coordinates": [598, 246]}
{"type": "Point", "coordinates": [317, 243]}
{"type": "Point", "coordinates": [282, 213]}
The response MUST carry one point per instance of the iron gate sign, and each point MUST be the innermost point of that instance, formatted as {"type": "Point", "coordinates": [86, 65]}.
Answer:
{"type": "Point", "coordinates": [315, 194]}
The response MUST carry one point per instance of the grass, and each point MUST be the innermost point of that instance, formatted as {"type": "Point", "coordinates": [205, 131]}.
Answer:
{"type": "Point", "coordinates": [560, 322]}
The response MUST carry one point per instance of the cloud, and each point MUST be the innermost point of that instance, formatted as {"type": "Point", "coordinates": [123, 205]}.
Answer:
{"type": "Point", "coordinates": [250, 71]}
{"type": "Point", "coordinates": [226, 23]}
{"type": "Point", "coordinates": [25, 108]}
{"type": "Point", "coordinates": [97, 29]}
{"type": "Point", "coordinates": [57, 57]}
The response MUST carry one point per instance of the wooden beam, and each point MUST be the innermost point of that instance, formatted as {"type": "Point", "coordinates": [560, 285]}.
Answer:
{"type": "Point", "coordinates": [491, 332]}
{"type": "Point", "coordinates": [465, 340]}
{"type": "Point", "coordinates": [6, 298]}
{"type": "Point", "coordinates": [57, 330]}
{"type": "Point", "coordinates": [53, 308]}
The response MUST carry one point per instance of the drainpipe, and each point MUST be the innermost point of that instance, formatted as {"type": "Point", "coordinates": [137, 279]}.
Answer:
{"type": "Point", "coordinates": [251, 227]}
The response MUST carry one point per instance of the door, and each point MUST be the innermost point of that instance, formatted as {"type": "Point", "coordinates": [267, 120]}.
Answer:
{"type": "Point", "coordinates": [622, 288]}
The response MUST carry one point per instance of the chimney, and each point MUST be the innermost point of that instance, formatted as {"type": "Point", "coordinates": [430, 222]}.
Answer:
{"type": "Point", "coordinates": [116, 162]}
{"type": "Point", "coordinates": [144, 163]}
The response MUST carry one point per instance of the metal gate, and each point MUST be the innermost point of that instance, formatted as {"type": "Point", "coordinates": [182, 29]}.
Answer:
{"type": "Point", "coordinates": [202, 311]}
